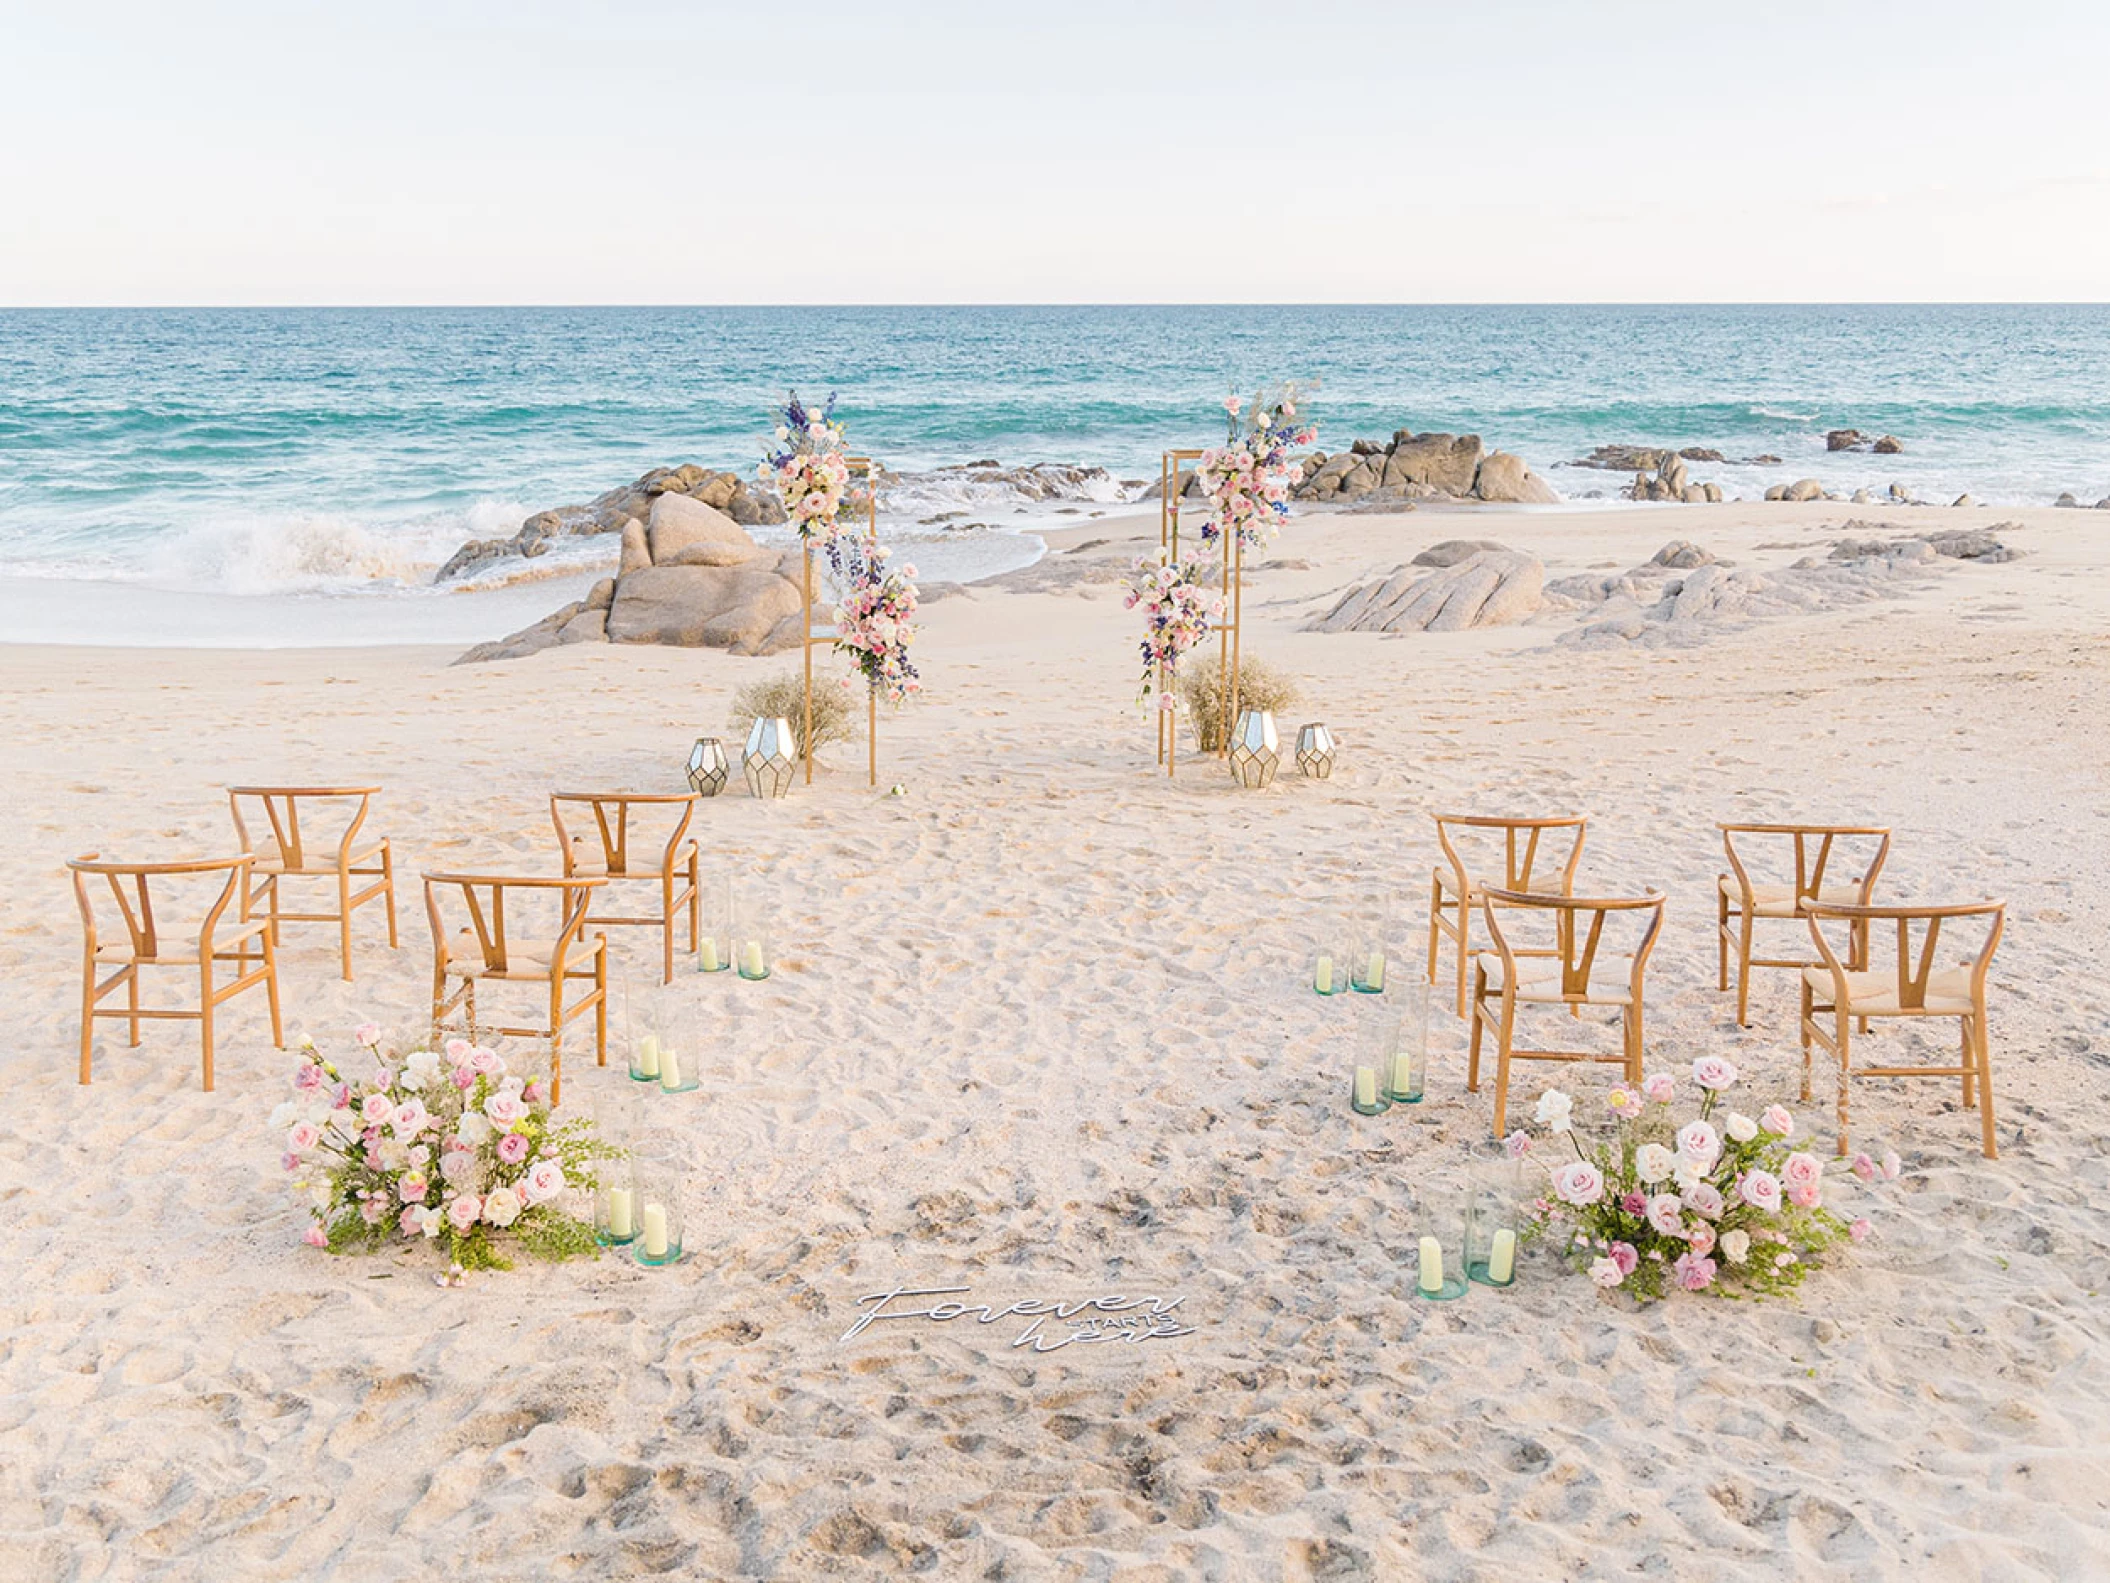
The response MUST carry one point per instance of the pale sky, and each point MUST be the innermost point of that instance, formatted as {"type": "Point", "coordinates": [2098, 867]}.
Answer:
{"type": "Point", "coordinates": [453, 151]}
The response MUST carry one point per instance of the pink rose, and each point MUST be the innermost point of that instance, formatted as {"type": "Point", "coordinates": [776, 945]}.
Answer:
{"type": "Point", "coordinates": [1804, 1195]}
{"type": "Point", "coordinates": [532, 1093]}
{"type": "Point", "coordinates": [1702, 1238]}
{"type": "Point", "coordinates": [1518, 1144]}
{"type": "Point", "coordinates": [1699, 1143]}
{"type": "Point", "coordinates": [1859, 1230]}
{"type": "Point", "coordinates": [1761, 1190]}
{"type": "Point", "coordinates": [1714, 1072]}
{"type": "Point", "coordinates": [1802, 1170]}
{"type": "Point", "coordinates": [486, 1061]}
{"type": "Point", "coordinates": [412, 1118]}
{"type": "Point", "coordinates": [1605, 1273]}
{"type": "Point", "coordinates": [464, 1077]}
{"type": "Point", "coordinates": [408, 1222]}
{"type": "Point", "coordinates": [1663, 1214]}
{"type": "Point", "coordinates": [1623, 1255]}
{"type": "Point", "coordinates": [1702, 1199]}
{"type": "Point", "coordinates": [1777, 1121]}
{"type": "Point", "coordinates": [1892, 1165]}
{"type": "Point", "coordinates": [1695, 1273]}
{"type": "Point", "coordinates": [513, 1147]}
{"type": "Point", "coordinates": [505, 1109]}
{"type": "Point", "coordinates": [544, 1181]}
{"type": "Point", "coordinates": [290, 1162]}
{"type": "Point", "coordinates": [1658, 1088]}
{"type": "Point", "coordinates": [457, 1050]}
{"type": "Point", "coordinates": [413, 1188]}
{"type": "Point", "coordinates": [303, 1137]}
{"type": "Point", "coordinates": [367, 1034]}
{"type": "Point", "coordinates": [377, 1110]}
{"type": "Point", "coordinates": [314, 1238]}
{"type": "Point", "coordinates": [1864, 1168]}
{"type": "Point", "coordinates": [309, 1076]}
{"type": "Point", "coordinates": [373, 1210]}
{"type": "Point", "coordinates": [1635, 1203]}
{"type": "Point", "coordinates": [462, 1211]}
{"type": "Point", "coordinates": [341, 1098]}
{"type": "Point", "coordinates": [1579, 1183]}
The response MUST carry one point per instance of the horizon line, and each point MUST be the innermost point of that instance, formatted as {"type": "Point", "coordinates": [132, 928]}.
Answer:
{"type": "Point", "coordinates": [661, 307]}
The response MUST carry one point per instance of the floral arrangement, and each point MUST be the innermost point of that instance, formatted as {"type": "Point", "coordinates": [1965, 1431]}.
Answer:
{"type": "Point", "coordinates": [874, 623]}
{"type": "Point", "coordinates": [1178, 610]}
{"type": "Point", "coordinates": [1247, 478]}
{"type": "Point", "coordinates": [807, 468]}
{"type": "Point", "coordinates": [445, 1146]}
{"type": "Point", "coordinates": [1699, 1207]}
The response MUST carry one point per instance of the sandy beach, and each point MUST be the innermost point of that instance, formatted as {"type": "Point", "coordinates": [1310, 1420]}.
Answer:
{"type": "Point", "coordinates": [1040, 1030]}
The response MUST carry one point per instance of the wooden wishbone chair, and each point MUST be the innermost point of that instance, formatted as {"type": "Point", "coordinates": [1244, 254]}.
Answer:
{"type": "Point", "coordinates": [1836, 990]}
{"type": "Point", "coordinates": [215, 943]}
{"type": "Point", "coordinates": [1570, 972]}
{"type": "Point", "coordinates": [1455, 891]}
{"type": "Point", "coordinates": [485, 952]}
{"type": "Point", "coordinates": [1740, 903]}
{"type": "Point", "coordinates": [606, 851]}
{"type": "Point", "coordinates": [289, 853]}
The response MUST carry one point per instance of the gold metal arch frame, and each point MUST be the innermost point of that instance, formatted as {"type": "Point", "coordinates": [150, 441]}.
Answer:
{"type": "Point", "coordinates": [826, 636]}
{"type": "Point", "coordinates": [1175, 472]}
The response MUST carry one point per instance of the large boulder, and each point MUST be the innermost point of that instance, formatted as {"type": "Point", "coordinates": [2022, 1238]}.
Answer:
{"type": "Point", "coordinates": [685, 532]}
{"type": "Point", "coordinates": [1490, 589]}
{"type": "Point", "coordinates": [1888, 445]}
{"type": "Point", "coordinates": [1451, 551]}
{"type": "Point", "coordinates": [1505, 478]}
{"type": "Point", "coordinates": [637, 554]}
{"type": "Point", "coordinates": [1803, 489]}
{"type": "Point", "coordinates": [733, 607]}
{"type": "Point", "coordinates": [1441, 461]}
{"type": "Point", "coordinates": [1845, 440]}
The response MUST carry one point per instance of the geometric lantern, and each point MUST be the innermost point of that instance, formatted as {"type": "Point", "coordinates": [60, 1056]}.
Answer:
{"type": "Point", "coordinates": [770, 757]}
{"type": "Point", "coordinates": [707, 767]}
{"type": "Point", "coordinates": [1315, 751]}
{"type": "Point", "coordinates": [1255, 749]}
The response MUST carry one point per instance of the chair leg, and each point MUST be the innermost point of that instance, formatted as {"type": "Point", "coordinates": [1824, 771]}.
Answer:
{"type": "Point", "coordinates": [1743, 973]}
{"type": "Point", "coordinates": [1809, 1003]}
{"type": "Point", "coordinates": [205, 1020]}
{"type": "Point", "coordinates": [1632, 1029]}
{"type": "Point", "coordinates": [1465, 922]}
{"type": "Point", "coordinates": [278, 1027]}
{"type": "Point", "coordinates": [600, 1007]}
{"type": "Point", "coordinates": [1505, 1031]}
{"type": "Point", "coordinates": [87, 1017]}
{"type": "Point", "coordinates": [388, 890]}
{"type": "Point", "coordinates": [132, 1000]}
{"type": "Point", "coordinates": [666, 927]}
{"type": "Point", "coordinates": [1435, 938]}
{"type": "Point", "coordinates": [1721, 940]}
{"type": "Point", "coordinates": [1985, 1082]}
{"type": "Point", "coordinates": [344, 921]}
{"type": "Point", "coordinates": [439, 999]}
{"type": "Point", "coordinates": [1842, 1034]}
{"type": "Point", "coordinates": [1472, 1048]}
{"type": "Point", "coordinates": [1968, 1059]}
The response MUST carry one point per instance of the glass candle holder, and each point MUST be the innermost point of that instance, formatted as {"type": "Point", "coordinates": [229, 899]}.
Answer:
{"type": "Point", "coordinates": [714, 929]}
{"type": "Point", "coordinates": [1366, 966]}
{"type": "Point", "coordinates": [1366, 1091]}
{"type": "Point", "coordinates": [751, 949]}
{"type": "Point", "coordinates": [615, 1204]}
{"type": "Point", "coordinates": [1439, 1249]}
{"type": "Point", "coordinates": [680, 1050]}
{"type": "Point", "coordinates": [1491, 1235]}
{"type": "Point", "coordinates": [1407, 1053]}
{"type": "Point", "coordinates": [658, 1239]}
{"type": "Point", "coordinates": [641, 1031]}
{"type": "Point", "coordinates": [1329, 968]}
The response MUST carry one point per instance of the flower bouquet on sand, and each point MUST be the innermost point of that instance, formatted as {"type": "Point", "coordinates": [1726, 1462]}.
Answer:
{"type": "Point", "coordinates": [1721, 1203]}
{"type": "Point", "coordinates": [444, 1146]}
{"type": "Point", "coordinates": [807, 467]}
{"type": "Point", "coordinates": [874, 623]}
{"type": "Point", "coordinates": [1178, 610]}
{"type": "Point", "coordinates": [1247, 478]}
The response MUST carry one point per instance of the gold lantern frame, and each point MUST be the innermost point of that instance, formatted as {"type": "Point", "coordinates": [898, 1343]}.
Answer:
{"type": "Point", "coordinates": [1175, 471]}
{"type": "Point", "coordinates": [870, 470]}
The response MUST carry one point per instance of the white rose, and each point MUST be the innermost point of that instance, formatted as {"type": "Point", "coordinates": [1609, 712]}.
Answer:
{"type": "Point", "coordinates": [502, 1207]}
{"type": "Point", "coordinates": [1653, 1162]}
{"type": "Point", "coordinates": [1736, 1246]}
{"type": "Point", "coordinates": [1554, 1109]}
{"type": "Point", "coordinates": [1741, 1127]}
{"type": "Point", "coordinates": [474, 1129]}
{"type": "Point", "coordinates": [282, 1115]}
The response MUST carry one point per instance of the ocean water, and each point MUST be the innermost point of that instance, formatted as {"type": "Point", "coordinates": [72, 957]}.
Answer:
{"type": "Point", "coordinates": [336, 457]}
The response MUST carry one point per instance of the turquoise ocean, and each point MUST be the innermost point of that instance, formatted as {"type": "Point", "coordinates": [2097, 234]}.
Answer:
{"type": "Point", "coordinates": [333, 457]}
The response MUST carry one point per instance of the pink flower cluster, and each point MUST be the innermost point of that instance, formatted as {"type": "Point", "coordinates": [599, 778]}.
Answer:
{"type": "Point", "coordinates": [875, 624]}
{"type": "Point", "coordinates": [1247, 478]}
{"type": "Point", "coordinates": [1178, 609]}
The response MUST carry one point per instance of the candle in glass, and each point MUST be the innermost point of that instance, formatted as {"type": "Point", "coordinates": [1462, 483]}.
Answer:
{"type": "Point", "coordinates": [619, 1214]}
{"type": "Point", "coordinates": [1431, 1271]}
{"type": "Point", "coordinates": [1502, 1257]}
{"type": "Point", "coordinates": [669, 1070]}
{"type": "Point", "coordinates": [648, 1056]}
{"type": "Point", "coordinates": [654, 1221]}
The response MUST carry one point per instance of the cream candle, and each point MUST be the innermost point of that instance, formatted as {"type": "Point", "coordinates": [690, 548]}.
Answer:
{"type": "Point", "coordinates": [1322, 980]}
{"type": "Point", "coordinates": [751, 963]}
{"type": "Point", "coordinates": [1374, 973]}
{"type": "Point", "coordinates": [1502, 1256]}
{"type": "Point", "coordinates": [1366, 1087]}
{"type": "Point", "coordinates": [1431, 1276]}
{"type": "Point", "coordinates": [619, 1213]}
{"type": "Point", "coordinates": [669, 1069]}
{"type": "Point", "coordinates": [707, 954]}
{"type": "Point", "coordinates": [1402, 1073]}
{"type": "Point", "coordinates": [655, 1223]}
{"type": "Point", "coordinates": [648, 1055]}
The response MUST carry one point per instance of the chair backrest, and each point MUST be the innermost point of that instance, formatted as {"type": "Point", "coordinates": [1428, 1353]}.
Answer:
{"type": "Point", "coordinates": [133, 885]}
{"type": "Point", "coordinates": [1813, 853]}
{"type": "Point", "coordinates": [1530, 850]}
{"type": "Point", "coordinates": [1914, 968]}
{"type": "Point", "coordinates": [483, 896]}
{"type": "Point", "coordinates": [1576, 925]}
{"type": "Point", "coordinates": [281, 808]}
{"type": "Point", "coordinates": [610, 813]}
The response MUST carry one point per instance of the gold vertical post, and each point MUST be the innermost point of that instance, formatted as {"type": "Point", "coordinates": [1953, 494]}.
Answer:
{"type": "Point", "coordinates": [1235, 557]}
{"type": "Point", "coordinates": [872, 733]}
{"type": "Point", "coordinates": [806, 648]}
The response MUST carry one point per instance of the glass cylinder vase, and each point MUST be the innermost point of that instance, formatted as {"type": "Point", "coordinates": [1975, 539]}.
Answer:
{"type": "Point", "coordinates": [1366, 1086]}
{"type": "Point", "coordinates": [1439, 1250]}
{"type": "Point", "coordinates": [1491, 1232]}
{"type": "Point", "coordinates": [615, 1204]}
{"type": "Point", "coordinates": [658, 1239]}
{"type": "Point", "coordinates": [1366, 966]}
{"type": "Point", "coordinates": [641, 1031]}
{"type": "Point", "coordinates": [1329, 965]}
{"type": "Point", "coordinates": [680, 1044]}
{"type": "Point", "coordinates": [1406, 1058]}
{"type": "Point", "coordinates": [751, 949]}
{"type": "Point", "coordinates": [714, 928]}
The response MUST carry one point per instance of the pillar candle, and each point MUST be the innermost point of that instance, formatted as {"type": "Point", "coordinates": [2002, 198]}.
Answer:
{"type": "Point", "coordinates": [1402, 1073]}
{"type": "Point", "coordinates": [752, 964]}
{"type": "Point", "coordinates": [1375, 975]}
{"type": "Point", "coordinates": [648, 1055]}
{"type": "Point", "coordinates": [655, 1222]}
{"type": "Point", "coordinates": [1502, 1255]}
{"type": "Point", "coordinates": [619, 1213]}
{"type": "Point", "coordinates": [707, 953]}
{"type": "Point", "coordinates": [1366, 1087]}
{"type": "Point", "coordinates": [1322, 980]}
{"type": "Point", "coordinates": [1431, 1279]}
{"type": "Point", "coordinates": [669, 1069]}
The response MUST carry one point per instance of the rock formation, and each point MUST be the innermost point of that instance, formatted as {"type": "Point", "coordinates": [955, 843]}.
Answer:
{"type": "Point", "coordinates": [1855, 440]}
{"type": "Point", "coordinates": [1672, 482]}
{"type": "Point", "coordinates": [1489, 588]}
{"type": "Point", "coordinates": [1414, 466]}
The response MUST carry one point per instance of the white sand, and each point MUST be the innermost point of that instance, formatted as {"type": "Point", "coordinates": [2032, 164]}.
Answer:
{"type": "Point", "coordinates": [1040, 1029]}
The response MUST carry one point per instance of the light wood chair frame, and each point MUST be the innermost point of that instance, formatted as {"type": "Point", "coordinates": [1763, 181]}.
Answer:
{"type": "Point", "coordinates": [247, 942]}
{"type": "Point", "coordinates": [281, 808]}
{"type": "Point", "coordinates": [1575, 949]}
{"type": "Point", "coordinates": [1734, 920]}
{"type": "Point", "coordinates": [1974, 1059]}
{"type": "Point", "coordinates": [680, 863]}
{"type": "Point", "coordinates": [573, 959]}
{"type": "Point", "coordinates": [1453, 890]}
